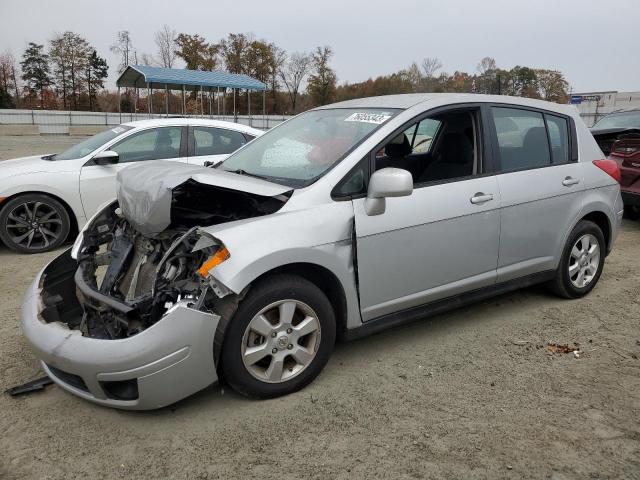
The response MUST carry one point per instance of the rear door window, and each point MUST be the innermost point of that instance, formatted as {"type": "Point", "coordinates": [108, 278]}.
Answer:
{"type": "Point", "coordinates": [522, 139]}
{"type": "Point", "coordinates": [216, 141]}
{"type": "Point", "coordinates": [559, 138]}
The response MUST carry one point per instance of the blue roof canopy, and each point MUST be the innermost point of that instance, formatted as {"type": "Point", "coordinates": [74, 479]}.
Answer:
{"type": "Point", "coordinates": [141, 76]}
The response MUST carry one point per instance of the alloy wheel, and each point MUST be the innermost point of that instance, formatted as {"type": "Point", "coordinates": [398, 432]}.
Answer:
{"type": "Point", "coordinates": [34, 225]}
{"type": "Point", "coordinates": [584, 260]}
{"type": "Point", "coordinates": [280, 341]}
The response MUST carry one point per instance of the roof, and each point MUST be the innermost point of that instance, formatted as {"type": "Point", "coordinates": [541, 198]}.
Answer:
{"type": "Point", "coordinates": [142, 76]}
{"type": "Point", "coordinates": [159, 122]}
{"type": "Point", "coordinates": [408, 100]}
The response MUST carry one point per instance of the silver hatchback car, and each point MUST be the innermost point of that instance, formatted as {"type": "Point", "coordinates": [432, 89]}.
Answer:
{"type": "Point", "coordinates": [345, 220]}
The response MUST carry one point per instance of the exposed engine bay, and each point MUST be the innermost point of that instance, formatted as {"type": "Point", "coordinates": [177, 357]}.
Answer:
{"type": "Point", "coordinates": [127, 280]}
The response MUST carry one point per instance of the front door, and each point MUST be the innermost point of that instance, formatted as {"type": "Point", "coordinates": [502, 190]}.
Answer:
{"type": "Point", "coordinates": [442, 239]}
{"type": "Point", "coordinates": [98, 182]}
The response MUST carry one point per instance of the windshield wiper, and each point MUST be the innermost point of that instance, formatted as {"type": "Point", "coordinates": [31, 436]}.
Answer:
{"type": "Point", "coordinates": [49, 157]}
{"type": "Point", "coordinates": [240, 171]}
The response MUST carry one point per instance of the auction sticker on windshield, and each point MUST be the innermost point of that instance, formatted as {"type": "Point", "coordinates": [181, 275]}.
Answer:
{"type": "Point", "coordinates": [376, 118]}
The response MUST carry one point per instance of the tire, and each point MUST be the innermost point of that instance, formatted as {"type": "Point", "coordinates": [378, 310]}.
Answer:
{"type": "Point", "coordinates": [251, 356]}
{"type": "Point", "coordinates": [567, 283]}
{"type": "Point", "coordinates": [631, 212]}
{"type": "Point", "coordinates": [23, 233]}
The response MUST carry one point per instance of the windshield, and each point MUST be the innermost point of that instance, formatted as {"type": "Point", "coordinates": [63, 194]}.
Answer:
{"type": "Point", "coordinates": [619, 120]}
{"type": "Point", "coordinates": [301, 150]}
{"type": "Point", "coordinates": [90, 144]}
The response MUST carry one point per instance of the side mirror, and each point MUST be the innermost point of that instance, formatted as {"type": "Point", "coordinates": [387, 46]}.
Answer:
{"type": "Point", "coordinates": [387, 182]}
{"type": "Point", "coordinates": [107, 157]}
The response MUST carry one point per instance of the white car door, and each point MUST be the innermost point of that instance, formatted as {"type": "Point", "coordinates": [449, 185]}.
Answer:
{"type": "Point", "coordinates": [212, 144]}
{"type": "Point", "coordinates": [98, 182]}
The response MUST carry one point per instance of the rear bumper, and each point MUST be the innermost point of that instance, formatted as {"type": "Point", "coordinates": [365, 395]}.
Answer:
{"type": "Point", "coordinates": [168, 361]}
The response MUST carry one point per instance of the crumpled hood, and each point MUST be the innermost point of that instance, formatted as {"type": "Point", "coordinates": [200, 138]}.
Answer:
{"type": "Point", "coordinates": [144, 190]}
{"type": "Point", "coordinates": [23, 165]}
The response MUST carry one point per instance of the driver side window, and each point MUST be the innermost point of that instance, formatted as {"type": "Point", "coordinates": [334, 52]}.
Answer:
{"type": "Point", "coordinates": [438, 148]}
{"type": "Point", "coordinates": [152, 144]}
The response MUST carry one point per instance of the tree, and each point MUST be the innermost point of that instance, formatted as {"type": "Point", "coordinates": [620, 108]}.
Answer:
{"type": "Point", "coordinates": [8, 79]}
{"type": "Point", "coordinates": [123, 47]}
{"type": "Point", "coordinates": [196, 52]}
{"type": "Point", "coordinates": [430, 66]}
{"type": "Point", "coordinates": [487, 64]}
{"type": "Point", "coordinates": [70, 55]}
{"type": "Point", "coordinates": [35, 71]}
{"type": "Point", "coordinates": [233, 50]}
{"type": "Point", "coordinates": [552, 86]}
{"type": "Point", "coordinates": [166, 42]}
{"type": "Point", "coordinates": [97, 72]}
{"type": "Point", "coordinates": [322, 82]}
{"type": "Point", "coordinates": [293, 73]}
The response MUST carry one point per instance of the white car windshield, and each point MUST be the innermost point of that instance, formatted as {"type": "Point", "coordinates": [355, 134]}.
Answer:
{"type": "Point", "coordinates": [91, 144]}
{"type": "Point", "coordinates": [303, 149]}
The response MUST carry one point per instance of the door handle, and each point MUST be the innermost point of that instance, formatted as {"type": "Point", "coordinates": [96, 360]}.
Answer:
{"type": "Point", "coordinates": [481, 198]}
{"type": "Point", "coordinates": [568, 181]}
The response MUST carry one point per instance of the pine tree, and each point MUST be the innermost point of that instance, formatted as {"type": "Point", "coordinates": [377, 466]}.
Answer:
{"type": "Point", "coordinates": [35, 71]}
{"type": "Point", "coordinates": [97, 71]}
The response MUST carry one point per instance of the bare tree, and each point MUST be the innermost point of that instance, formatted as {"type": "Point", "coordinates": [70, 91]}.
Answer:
{"type": "Point", "coordinates": [293, 73]}
{"type": "Point", "coordinates": [487, 64]}
{"type": "Point", "coordinates": [147, 60]}
{"type": "Point", "coordinates": [430, 66]}
{"type": "Point", "coordinates": [9, 74]}
{"type": "Point", "coordinates": [124, 48]}
{"type": "Point", "coordinates": [166, 42]}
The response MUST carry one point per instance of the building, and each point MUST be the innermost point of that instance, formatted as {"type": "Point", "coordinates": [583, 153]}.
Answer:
{"type": "Point", "coordinates": [595, 105]}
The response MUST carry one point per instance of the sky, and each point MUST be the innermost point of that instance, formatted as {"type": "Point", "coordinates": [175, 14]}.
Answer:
{"type": "Point", "coordinates": [593, 42]}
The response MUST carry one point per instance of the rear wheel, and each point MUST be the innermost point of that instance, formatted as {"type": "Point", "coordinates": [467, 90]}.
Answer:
{"type": "Point", "coordinates": [33, 223]}
{"type": "Point", "coordinates": [582, 261]}
{"type": "Point", "coordinates": [279, 339]}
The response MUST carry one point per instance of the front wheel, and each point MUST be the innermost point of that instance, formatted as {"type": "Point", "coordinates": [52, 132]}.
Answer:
{"type": "Point", "coordinates": [279, 339]}
{"type": "Point", "coordinates": [582, 261]}
{"type": "Point", "coordinates": [33, 223]}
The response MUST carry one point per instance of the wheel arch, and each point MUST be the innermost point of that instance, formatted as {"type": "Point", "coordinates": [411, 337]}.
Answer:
{"type": "Point", "coordinates": [319, 275]}
{"type": "Point", "coordinates": [602, 221]}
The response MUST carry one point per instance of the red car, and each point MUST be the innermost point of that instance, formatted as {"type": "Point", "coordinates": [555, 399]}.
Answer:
{"type": "Point", "coordinates": [618, 135]}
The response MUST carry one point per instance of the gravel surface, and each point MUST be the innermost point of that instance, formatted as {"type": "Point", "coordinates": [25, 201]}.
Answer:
{"type": "Point", "coordinates": [474, 393]}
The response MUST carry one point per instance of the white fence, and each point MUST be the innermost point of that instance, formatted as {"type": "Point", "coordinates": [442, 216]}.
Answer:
{"type": "Point", "coordinates": [60, 122]}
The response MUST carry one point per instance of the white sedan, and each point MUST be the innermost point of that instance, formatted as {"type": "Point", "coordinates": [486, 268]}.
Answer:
{"type": "Point", "coordinates": [45, 197]}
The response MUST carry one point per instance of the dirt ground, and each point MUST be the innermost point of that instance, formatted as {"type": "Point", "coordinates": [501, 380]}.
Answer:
{"type": "Point", "coordinates": [469, 394]}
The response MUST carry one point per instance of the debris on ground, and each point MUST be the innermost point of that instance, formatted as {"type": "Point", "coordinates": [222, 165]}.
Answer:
{"type": "Point", "coordinates": [29, 387]}
{"type": "Point", "coordinates": [559, 348]}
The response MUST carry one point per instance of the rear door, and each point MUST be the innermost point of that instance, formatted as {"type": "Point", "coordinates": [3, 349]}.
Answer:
{"type": "Point", "coordinates": [212, 144]}
{"type": "Point", "coordinates": [98, 182]}
{"type": "Point", "coordinates": [540, 184]}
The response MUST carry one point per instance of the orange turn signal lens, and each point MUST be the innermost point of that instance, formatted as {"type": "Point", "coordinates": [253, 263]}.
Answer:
{"type": "Point", "coordinates": [215, 260]}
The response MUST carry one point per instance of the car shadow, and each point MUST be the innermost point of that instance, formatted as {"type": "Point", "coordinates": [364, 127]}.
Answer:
{"type": "Point", "coordinates": [221, 397]}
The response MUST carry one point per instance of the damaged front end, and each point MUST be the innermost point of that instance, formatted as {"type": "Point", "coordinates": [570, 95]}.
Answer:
{"type": "Point", "coordinates": [127, 281]}
{"type": "Point", "coordinates": [145, 253]}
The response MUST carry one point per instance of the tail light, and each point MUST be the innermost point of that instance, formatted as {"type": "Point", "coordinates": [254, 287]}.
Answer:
{"type": "Point", "coordinates": [610, 167]}
{"type": "Point", "coordinates": [624, 151]}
